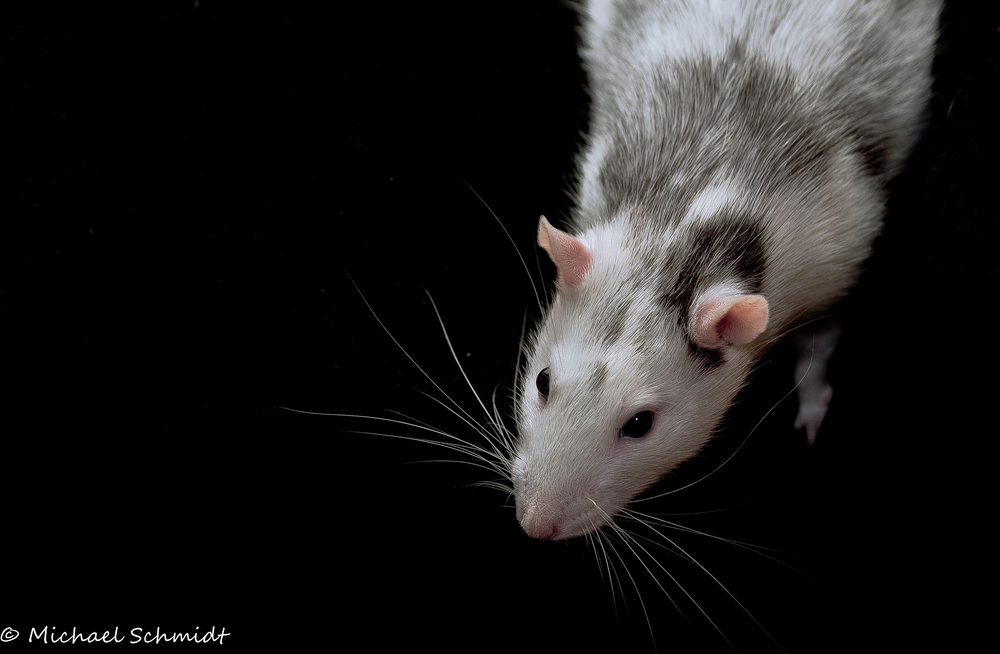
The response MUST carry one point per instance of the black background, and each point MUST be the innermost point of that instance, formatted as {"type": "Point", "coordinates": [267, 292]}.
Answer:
{"type": "Point", "coordinates": [193, 193]}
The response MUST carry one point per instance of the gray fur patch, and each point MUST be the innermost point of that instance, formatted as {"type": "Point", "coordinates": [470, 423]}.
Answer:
{"type": "Point", "coordinates": [673, 134]}
{"type": "Point", "coordinates": [613, 323]}
{"type": "Point", "coordinates": [874, 151]}
{"type": "Point", "coordinates": [597, 378]}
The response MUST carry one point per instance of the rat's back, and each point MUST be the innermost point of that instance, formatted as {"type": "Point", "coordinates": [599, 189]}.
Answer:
{"type": "Point", "coordinates": [670, 65]}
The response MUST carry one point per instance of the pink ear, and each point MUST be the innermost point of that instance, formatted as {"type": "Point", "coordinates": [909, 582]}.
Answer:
{"type": "Point", "coordinates": [572, 258]}
{"type": "Point", "coordinates": [729, 320]}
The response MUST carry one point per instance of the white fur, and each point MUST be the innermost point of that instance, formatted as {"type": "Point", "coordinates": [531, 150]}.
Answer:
{"type": "Point", "coordinates": [714, 198]}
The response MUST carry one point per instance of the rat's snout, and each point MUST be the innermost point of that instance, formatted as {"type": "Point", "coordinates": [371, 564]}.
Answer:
{"type": "Point", "coordinates": [535, 516]}
{"type": "Point", "coordinates": [537, 521]}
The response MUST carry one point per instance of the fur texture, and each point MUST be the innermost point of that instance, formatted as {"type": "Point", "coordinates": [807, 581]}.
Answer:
{"type": "Point", "coordinates": [736, 150]}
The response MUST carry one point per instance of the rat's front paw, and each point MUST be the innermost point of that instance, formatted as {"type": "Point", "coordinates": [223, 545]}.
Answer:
{"type": "Point", "coordinates": [813, 404]}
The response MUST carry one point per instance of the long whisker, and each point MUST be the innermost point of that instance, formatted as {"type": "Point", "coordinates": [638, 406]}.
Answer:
{"type": "Point", "coordinates": [407, 354]}
{"type": "Point", "coordinates": [636, 585]}
{"type": "Point", "coordinates": [511, 238]}
{"type": "Point", "coordinates": [797, 326]}
{"type": "Point", "coordinates": [712, 577]}
{"type": "Point", "coordinates": [756, 549]}
{"type": "Point", "coordinates": [459, 444]}
{"type": "Point", "coordinates": [614, 579]}
{"type": "Point", "coordinates": [455, 357]}
{"type": "Point", "coordinates": [520, 353]}
{"type": "Point", "coordinates": [504, 435]}
{"type": "Point", "coordinates": [630, 538]}
{"type": "Point", "coordinates": [495, 449]}
{"type": "Point", "coordinates": [496, 461]}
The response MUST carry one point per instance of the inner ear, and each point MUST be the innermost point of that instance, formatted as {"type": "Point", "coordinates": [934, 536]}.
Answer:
{"type": "Point", "coordinates": [723, 320]}
{"type": "Point", "coordinates": [572, 258]}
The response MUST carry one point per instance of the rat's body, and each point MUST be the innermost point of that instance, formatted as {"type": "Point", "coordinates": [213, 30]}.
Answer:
{"type": "Point", "coordinates": [729, 190]}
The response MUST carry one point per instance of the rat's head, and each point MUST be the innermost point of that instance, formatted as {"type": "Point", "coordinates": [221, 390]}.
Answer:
{"type": "Point", "coordinates": [624, 380]}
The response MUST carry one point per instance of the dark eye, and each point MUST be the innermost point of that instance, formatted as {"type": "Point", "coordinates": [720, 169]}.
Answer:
{"type": "Point", "coordinates": [542, 383]}
{"type": "Point", "coordinates": [636, 426]}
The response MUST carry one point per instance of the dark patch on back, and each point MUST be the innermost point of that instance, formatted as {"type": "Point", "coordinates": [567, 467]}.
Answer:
{"type": "Point", "coordinates": [805, 155]}
{"type": "Point", "coordinates": [731, 246]}
{"type": "Point", "coordinates": [736, 51]}
{"type": "Point", "coordinates": [873, 149]}
{"type": "Point", "coordinates": [785, 140]}
{"type": "Point", "coordinates": [669, 129]}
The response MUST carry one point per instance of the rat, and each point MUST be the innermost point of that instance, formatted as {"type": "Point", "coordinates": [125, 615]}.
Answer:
{"type": "Point", "coordinates": [727, 194]}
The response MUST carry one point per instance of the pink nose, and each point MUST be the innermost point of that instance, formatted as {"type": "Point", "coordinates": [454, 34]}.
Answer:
{"type": "Point", "coordinates": [537, 525]}
{"type": "Point", "coordinates": [549, 532]}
